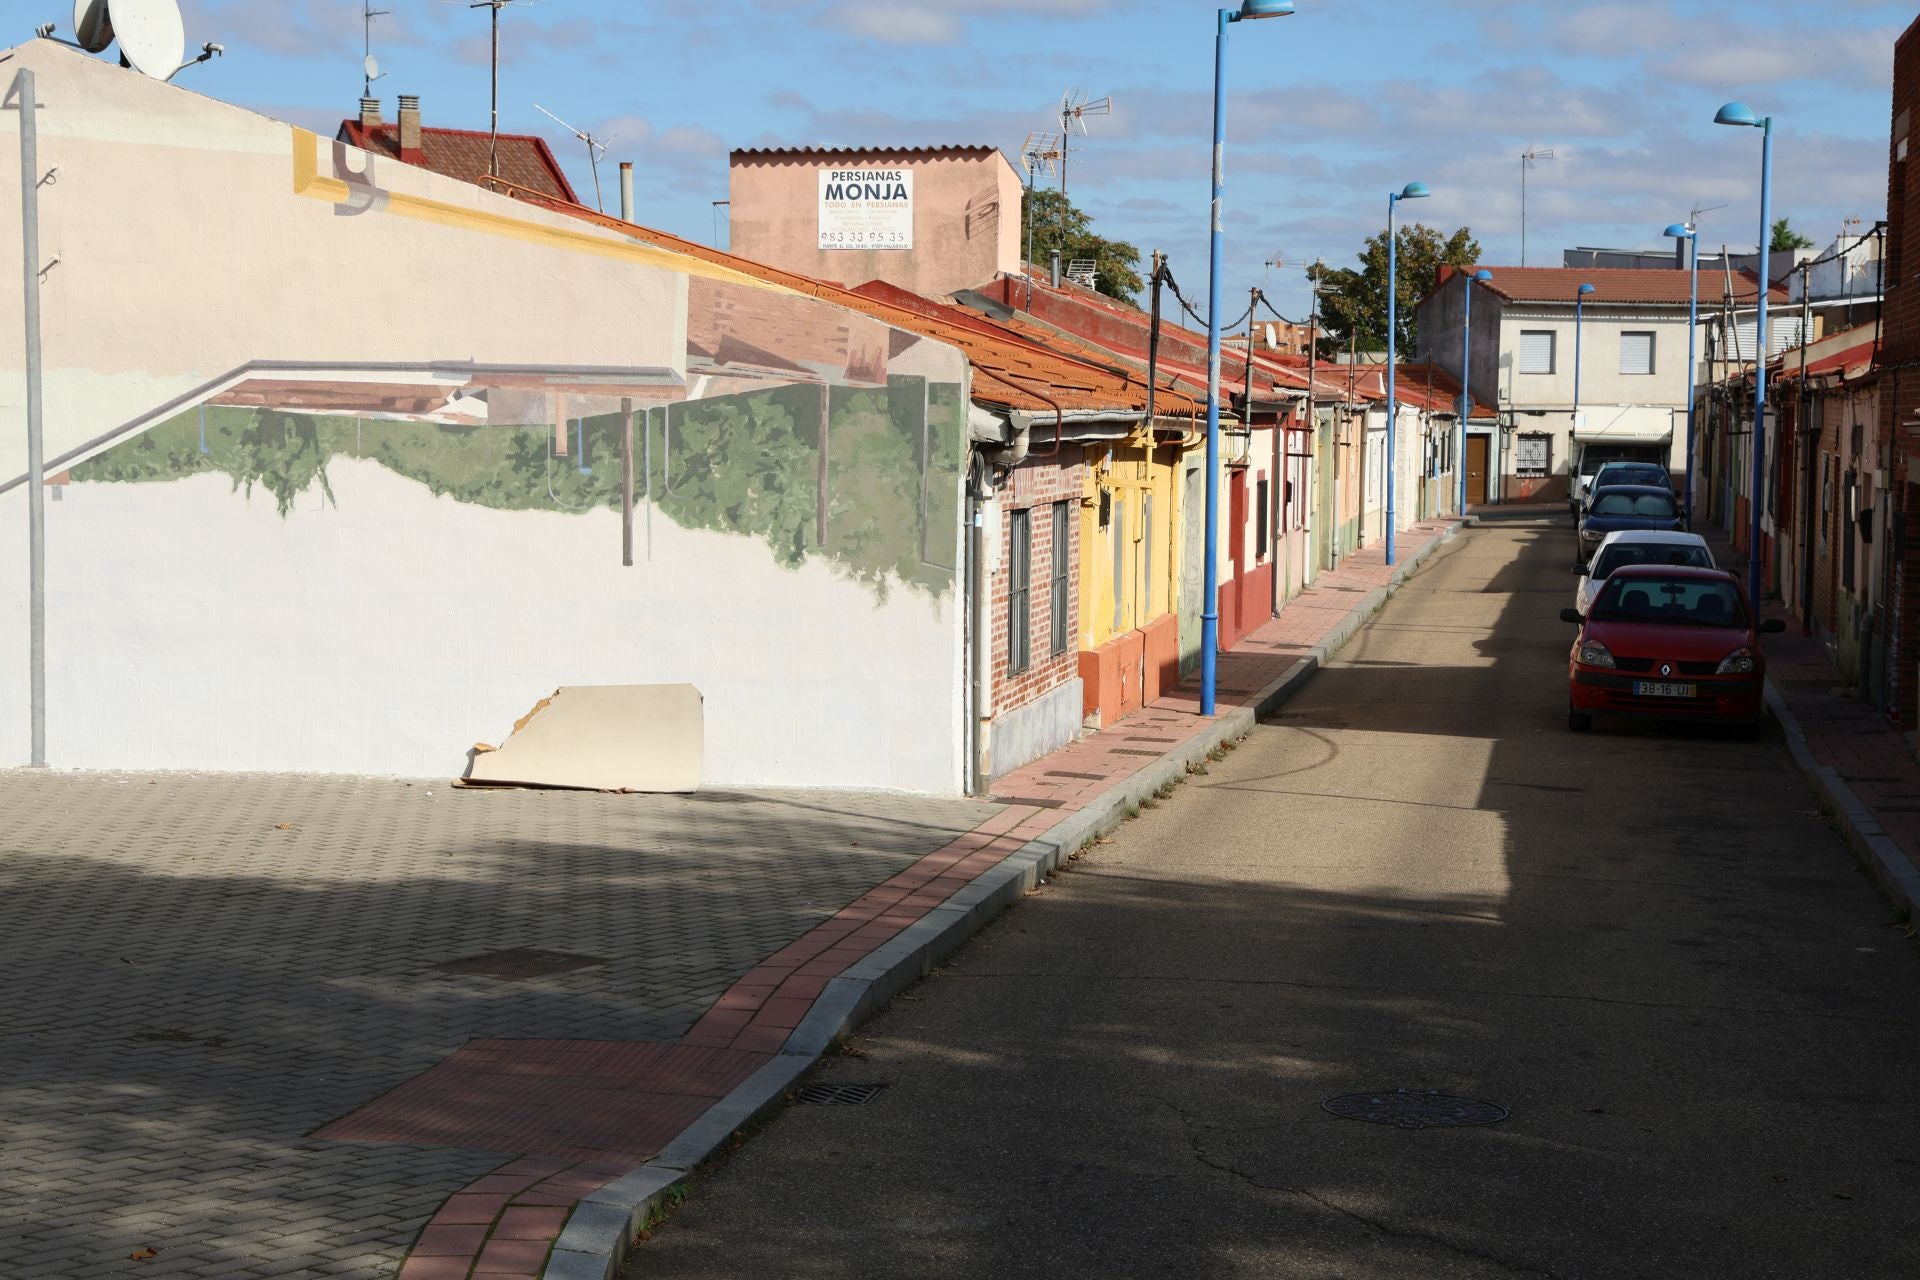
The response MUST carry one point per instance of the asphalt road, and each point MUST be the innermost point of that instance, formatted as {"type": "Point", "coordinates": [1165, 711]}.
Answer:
{"type": "Point", "coordinates": [1648, 944]}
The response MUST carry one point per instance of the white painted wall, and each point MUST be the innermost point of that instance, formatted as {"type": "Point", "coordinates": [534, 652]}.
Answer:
{"type": "Point", "coordinates": [192, 627]}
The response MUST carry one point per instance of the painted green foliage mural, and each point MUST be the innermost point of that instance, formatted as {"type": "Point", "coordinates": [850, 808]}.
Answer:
{"type": "Point", "coordinates": [747, 464]}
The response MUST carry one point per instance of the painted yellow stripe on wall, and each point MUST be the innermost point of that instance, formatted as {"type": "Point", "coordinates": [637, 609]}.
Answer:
{"type": "Point", "coordinates": [308, 182]}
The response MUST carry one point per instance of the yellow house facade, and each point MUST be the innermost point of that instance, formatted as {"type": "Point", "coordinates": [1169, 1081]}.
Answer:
{"type": "Point", "coordinates": [1130, 540]}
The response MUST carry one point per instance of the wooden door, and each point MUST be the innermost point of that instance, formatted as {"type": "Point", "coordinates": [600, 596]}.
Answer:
{"type": "Point", "coordinates": [1479, 449]}
{"type": "Point", "coordinates": [1236, 555]}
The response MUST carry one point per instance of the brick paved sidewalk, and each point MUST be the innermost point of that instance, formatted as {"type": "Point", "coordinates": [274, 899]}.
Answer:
{"type": "Point", "coordinates": [242, 1045]}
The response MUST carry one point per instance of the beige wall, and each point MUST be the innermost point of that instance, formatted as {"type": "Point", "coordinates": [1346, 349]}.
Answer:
{"type": "Point", "coordinates": [966, 218]}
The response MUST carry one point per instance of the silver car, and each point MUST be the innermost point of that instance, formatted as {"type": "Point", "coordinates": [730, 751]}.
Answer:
{"type": "Point", "coordinates": [1637, 546]}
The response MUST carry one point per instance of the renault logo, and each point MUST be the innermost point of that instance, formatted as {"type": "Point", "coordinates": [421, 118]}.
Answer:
{"type": "Point", "coordinates": [1666, 668]}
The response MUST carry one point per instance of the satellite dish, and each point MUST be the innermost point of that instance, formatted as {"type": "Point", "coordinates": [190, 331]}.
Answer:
{"type": "Point", "coordinates": [1273, 338]}
{"type": "Point", "coordinates": [153, 39]}
{"type": "Point", "coordinates": [91, 25]}
{"type": "Point", "coordinates": [372, 67]}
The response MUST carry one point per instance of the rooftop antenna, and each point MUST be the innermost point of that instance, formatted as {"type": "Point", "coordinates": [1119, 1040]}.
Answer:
{"type": "Point", "coordinates": [596, 147]}
{"type": "Point", "coordinates": [1037, 154]}
{"type": "Point", "coordinates": [493, 129]}
{"type": "Point", "coordinates": [371, 64]}
{"type": "Point", "coordinates": [1074, 110]}
{"type": "Point", "coordinates": [1528, 159]}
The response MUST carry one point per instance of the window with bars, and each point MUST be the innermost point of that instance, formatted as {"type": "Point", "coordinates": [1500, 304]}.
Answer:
{"type": "Point", "coordinates": [1119, 562]}
{"type": "Point", "coordinates": [1062, 569]}
{"type": "Point", "coordinates": [1536, 350]}
{"type": "Point", "coordinates": [1636, 352]}
{"type": "Point", "coordinates": [1260, 520]}
{"type": "Point", "coordinates": [1019, 591]}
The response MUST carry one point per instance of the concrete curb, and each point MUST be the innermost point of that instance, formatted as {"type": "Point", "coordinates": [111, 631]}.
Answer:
{"type": "Point", "coordinates": [601, 1229]}
{"type": "Point", "coordinates": [1891, 869]}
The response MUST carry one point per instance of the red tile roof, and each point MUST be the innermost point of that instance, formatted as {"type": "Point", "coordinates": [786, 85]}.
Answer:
{"type": "Point", "coordinates": [525, 160]}
{"type": "Point", "coordinates": [1012, 372]}
{"type": "Point", "coordinates": [1644, 286]}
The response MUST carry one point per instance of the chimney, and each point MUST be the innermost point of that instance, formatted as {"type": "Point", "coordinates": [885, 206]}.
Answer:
{"type": "Point", "coordinates": [369, 113]}
{"type": "Point", "coordinates": [410, 152]}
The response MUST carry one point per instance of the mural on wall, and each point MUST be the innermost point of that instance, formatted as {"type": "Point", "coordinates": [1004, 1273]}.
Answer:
{"type": "Point", "coordinates": [865, 476]}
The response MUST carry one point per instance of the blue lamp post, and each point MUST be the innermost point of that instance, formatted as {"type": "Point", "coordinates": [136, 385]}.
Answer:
{"type": "Point", "coordinates": [1466, 389]}
{"type": "Point", "coordinates": [1685, 231]}
{"type": "Point", "coordinates": [1210, 591]}
{"type": "Point", "coordinates": [1738, 113]}
{"type": "Point", "coordinates": [1412, 191]}
{"type": "Point", "coordinates": [1579, 314]}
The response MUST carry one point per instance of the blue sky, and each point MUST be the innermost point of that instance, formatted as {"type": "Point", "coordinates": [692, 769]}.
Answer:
{"type": "Point", "coordinates": [1328, 110]}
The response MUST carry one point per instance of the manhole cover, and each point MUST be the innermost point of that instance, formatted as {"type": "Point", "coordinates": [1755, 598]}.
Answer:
{"type": "Point", "coordinates": [519, 964]}
{"type": "Point", "coordinates": [838, 1095]}
{"type": "Point", "coordinates": [1415, 1109]}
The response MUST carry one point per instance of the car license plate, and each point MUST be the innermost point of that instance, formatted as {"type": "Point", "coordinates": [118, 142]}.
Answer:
{"type": "Point", "coordinates": [1661, 689]}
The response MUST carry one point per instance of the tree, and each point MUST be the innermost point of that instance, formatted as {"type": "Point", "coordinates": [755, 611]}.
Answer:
{"type": "Point", "coordinates": [1116, 263]}
{"type": "Point", "coordinates": [1786, 239]}
{"type": "Point", "coordinates": [1353, 304]}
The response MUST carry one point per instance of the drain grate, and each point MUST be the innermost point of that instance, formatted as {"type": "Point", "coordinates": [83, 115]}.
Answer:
{"type": "Point", "coordinates": [838, 1095]}
{"type": "Point", "coordinates": [1415, 1109]}
{"type": "Point", "coordinates": [519, 964]}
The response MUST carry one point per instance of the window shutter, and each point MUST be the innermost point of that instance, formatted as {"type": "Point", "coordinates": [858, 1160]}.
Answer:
{"type": "Point", "coordinates": [1536, 351]}
{"type": "Point", "coordinates": [1636, 353]}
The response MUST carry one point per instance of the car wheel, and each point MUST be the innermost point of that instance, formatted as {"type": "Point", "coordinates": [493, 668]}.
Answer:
{"type": "Point", "coordinates": [1578, 721]}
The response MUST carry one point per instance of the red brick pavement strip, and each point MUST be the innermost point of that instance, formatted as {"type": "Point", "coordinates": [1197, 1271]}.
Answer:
{"type": "Point", "coordinates": [585, 1112]}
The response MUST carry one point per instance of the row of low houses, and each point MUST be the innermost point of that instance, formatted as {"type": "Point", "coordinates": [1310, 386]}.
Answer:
{"type": "Point", "coordinates": [355, 453]}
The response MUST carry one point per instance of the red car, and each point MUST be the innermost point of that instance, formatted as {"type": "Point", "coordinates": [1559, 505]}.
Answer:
{"type": "Point", "coordinates": [1668, 642]}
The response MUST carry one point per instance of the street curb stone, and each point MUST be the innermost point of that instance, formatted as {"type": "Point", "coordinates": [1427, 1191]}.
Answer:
{"type": "Point", "coordinates": [600, 1232]}
{"type": "Point", "coordinates": [1885, 861]}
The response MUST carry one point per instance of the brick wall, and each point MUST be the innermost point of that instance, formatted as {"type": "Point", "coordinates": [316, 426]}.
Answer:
{"type": "Point", "coordinates": [1900, 389]}
{"type": "Point", "coordinates": [1034, 486]}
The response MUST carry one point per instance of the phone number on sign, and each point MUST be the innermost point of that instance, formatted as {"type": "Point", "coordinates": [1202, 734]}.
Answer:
{"type": "Point", "coordinates": [864, 240]}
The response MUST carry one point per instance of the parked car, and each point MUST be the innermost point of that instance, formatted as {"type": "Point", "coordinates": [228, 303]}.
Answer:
{"type": "Point", "coordinates": [1637, 546]}
{"type": "Point", "coordinates": [1627, 506]}
{"type": "Point", "coordinates": [1630, 472]}
{"type": "Point", "coordinates": [1589, 457]}
{"type": "Point", "coordinates": [1668, 642]}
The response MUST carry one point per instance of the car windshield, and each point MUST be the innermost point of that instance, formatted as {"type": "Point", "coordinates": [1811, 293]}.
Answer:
{"type": "Point", "coordinates": [1652, 505]}
{"type": "Point", "coordinates": [1625, 553]}
{"type": "Point", "coordinates": [1634, 473]}
{"type": "Point", "coordinates": [1700, 602]}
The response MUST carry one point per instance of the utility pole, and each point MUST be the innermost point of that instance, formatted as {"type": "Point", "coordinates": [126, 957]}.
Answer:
{"type": "Point", "coordinates": [1153, 334]}
{"type": "Point", "coordinates": [24, 92]}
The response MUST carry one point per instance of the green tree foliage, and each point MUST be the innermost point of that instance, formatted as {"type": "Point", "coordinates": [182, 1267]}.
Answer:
{"type": "Point", "coordinates": [1060, 224]}
{"type": "Point", "coordinates": [1786, 239]}
{"type": "Point", "coordinates": [1353, 303]}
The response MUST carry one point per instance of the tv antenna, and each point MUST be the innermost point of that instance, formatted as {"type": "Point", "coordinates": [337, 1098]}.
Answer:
{"type": "Point", "coordinates": [493, 129]}
{"type": "Point", "coordinates": [370, 65]}
{"type": "Point", "coordinates": [152, 35]}
{"type": "Point", "coordinates": [596, 147]}
{"type": "Point", "coordinates": [1528, 159]}
{"type": "Point", "coordinates": [1038, 153]}
{"type": "Point", "coordinates": [1074, 110]}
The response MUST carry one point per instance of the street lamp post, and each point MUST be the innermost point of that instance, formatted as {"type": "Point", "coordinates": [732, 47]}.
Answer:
{"type": "Point", "coordinates": [1686, 231]}
{"type": "Point", "coordinates": [1412, 191]}
{"type": "Point", "coordinates": [1737, 113]}
{"type": "Point", "coordinates": [1466, 389]}
{"type": "Point", "coordinates": [1210, 591]}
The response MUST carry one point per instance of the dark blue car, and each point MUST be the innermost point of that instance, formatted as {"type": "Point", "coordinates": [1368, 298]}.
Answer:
{"type": "Point", "coordinates": [1627, 506]}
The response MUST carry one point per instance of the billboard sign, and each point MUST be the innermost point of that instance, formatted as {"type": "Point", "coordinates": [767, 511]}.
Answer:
{"type": "Point", "coordinates": [866, 208]}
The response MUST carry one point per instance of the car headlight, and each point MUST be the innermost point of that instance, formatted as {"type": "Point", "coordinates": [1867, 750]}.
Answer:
{"type": "Point", "coordinates": [1595, 654]}
{"type": "Point", "coordinates": [1738, 663]}
{"type": "Point", "coordinates": [1592, 535]}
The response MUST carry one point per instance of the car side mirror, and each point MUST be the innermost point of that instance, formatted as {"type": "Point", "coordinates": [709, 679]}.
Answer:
{"type": "Point", "coordinates": [1573, 616]}
{"type": "Point", "coordinates": [1772, 626]}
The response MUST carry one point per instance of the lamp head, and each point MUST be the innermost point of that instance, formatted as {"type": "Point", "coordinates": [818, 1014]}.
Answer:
{"type": "Point", "coordinates": [1736, 113]}
{"type": "Point", "coordinates": [1679, 231]}
{"type": "Point", "coordinates": [1585, 289]}
{"type": "Point", "coordinates": [1251, 9]}
{"type": "Point", "coordinates": [1415, 191]}
{"type": "Point", "coordinates": [1482, 276]}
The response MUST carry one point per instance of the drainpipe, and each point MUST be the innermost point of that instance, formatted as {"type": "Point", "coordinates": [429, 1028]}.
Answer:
{"type": "Point", "coordinates": [1809, 439]}
{"type": "Point", "coordinates": [980, 503]}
